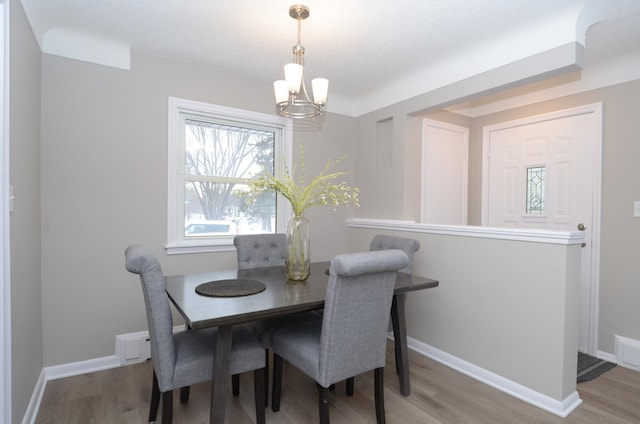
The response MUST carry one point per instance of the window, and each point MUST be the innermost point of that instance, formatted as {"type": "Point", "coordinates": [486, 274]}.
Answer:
{"type": "Point", "coordinates": [535, 190]}
{"type": "Point", "coordinates": [213, 151]}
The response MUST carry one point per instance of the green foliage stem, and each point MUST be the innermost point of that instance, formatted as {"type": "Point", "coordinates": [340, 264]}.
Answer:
{"type": "Point", "coordinates": [319, 191]}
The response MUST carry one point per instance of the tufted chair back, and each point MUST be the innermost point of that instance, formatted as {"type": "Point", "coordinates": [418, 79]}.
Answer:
{"type": "Point", "coordinates": [260, 250]}
{"type": "Point", "coordinates": [407, 245]}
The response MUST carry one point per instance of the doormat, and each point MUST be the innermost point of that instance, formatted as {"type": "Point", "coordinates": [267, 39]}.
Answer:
{"type": "Point", "coordinates": [590, 367]}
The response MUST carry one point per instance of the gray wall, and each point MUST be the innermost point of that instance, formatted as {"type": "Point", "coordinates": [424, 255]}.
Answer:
{"type": "Point", "coordinates": [26, 301]}
{"type": "Point", "coordinates": [620, 267]}
{"type": "Point", "coordinates": [104, 173]}
{"type": "Point", "coordinates": [103, 142]}
{"type": "Point", "coordinates": [494, 307]}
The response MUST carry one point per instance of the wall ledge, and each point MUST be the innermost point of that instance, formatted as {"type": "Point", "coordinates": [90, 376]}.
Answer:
{"type": "Point", "coordinates": [516, 234]}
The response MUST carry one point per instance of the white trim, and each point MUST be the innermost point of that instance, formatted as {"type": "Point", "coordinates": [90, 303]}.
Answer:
{"type": "Point", "coordinates": [596, 110]}
{"type": "Point", "coordinates": [516, 234]}
{"type": "Point", "coordinates": [33, 407]}
{"type": "Point", "coordinates": [62, 371]}
{"type": "Point", "coordinates": [82, 367]}
{"type": "Point", "coordinates": [5, 209]}
{"type": "Point", "coordinates": [606, 356]}
{"type": "Point", "coordinates": [175, 249]}
{"type": "Point", "coordinates": [78, 368]}
{"type": "Point", "coordinates": [562, 408]}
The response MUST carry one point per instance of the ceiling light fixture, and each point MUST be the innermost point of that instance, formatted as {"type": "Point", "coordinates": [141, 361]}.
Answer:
{"type": "Point", "coordinates": [292, 100]}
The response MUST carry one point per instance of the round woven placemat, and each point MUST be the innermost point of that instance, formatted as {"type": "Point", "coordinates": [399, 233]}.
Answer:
{"type": "Point", "coordinates": [230, 288]}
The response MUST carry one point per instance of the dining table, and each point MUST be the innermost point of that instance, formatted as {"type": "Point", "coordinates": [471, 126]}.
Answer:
{"type": "Point", "coordinates": [279, 297]}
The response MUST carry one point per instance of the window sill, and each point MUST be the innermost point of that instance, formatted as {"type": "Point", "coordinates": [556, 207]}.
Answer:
{"type": "Point", "coordinates": [175, 249]}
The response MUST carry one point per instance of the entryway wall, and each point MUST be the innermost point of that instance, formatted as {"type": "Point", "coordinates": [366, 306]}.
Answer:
{"type": "Point", "coordinates": [486, 319]}
{"type": "Point", "coordinates": [568, 143]}
{"type": "Point", "coordinates": [619, 251]}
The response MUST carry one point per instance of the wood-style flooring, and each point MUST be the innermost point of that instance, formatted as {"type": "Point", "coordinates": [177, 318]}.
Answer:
{"type": "Point", "coordinates": [439, 395]}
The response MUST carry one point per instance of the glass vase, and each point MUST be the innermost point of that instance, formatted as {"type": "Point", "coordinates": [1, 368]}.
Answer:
{"type": "Point", "coordinates": [298, 258]}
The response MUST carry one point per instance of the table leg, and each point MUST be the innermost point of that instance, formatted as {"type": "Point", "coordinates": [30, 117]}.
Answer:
{"type": "Point", "coordinates": [221, 373]}
{"type": "Point", "coordinates": [400, 336]}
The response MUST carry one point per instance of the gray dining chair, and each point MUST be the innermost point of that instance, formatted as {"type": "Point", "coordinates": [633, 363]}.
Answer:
{"type": "Point", "coordinates": [264, 250]}
{"type": "Point", "coordinates": [186, 358]}
{"type": "Point", "coordinates": [260, 250]}
{"type": "Point", "coordinates": [351, 338]}
{"type": "Point", "coordinates": [410, 247]}
{"type": "Point", "coordinates": [407, 245]}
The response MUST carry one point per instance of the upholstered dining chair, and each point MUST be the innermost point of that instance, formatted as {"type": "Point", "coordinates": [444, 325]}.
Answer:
{"type": "Point", "coordinates": [407, 245]}
{"type": "Point", "coordinates": [260, 250]}
{"type": "Point", "coordinates": [410, 247]}
{"type": "Point", "coordinates": [263, 250]}
{"type": "Point", "coordinates": [186, 358]}
{"type": "Point", "coordinates": [351, 338]}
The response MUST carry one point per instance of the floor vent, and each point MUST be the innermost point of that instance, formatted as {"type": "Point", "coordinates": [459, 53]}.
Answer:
{"type": "Point", "coordinates": [628, 353]}
{"type": "Point", "coordinates": [133, 347]}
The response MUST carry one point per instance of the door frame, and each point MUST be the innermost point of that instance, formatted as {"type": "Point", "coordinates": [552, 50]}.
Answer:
{"type": "Point", "coordinates": [596, 110]}
{"type": "Point", "coordinates": [5, 208]}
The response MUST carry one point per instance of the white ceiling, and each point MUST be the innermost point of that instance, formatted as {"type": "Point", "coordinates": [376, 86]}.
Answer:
{"type": "Point", "coordinates": [374, 52]}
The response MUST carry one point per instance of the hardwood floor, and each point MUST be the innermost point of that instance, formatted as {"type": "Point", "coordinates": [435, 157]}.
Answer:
{"type": "Point", "coordinates": [440, 395]}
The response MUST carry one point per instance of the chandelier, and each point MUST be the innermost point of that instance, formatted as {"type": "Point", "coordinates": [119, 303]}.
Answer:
{"type": "Point", "coordinates": [292, 100]}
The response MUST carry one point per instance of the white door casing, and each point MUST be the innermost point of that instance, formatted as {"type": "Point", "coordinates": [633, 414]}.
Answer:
{"type": "Point", "coordinates": [445, 153]}
{"type": "Point", "coordinates": [5, 207]}
{"type": "Point", "coordinates": [568, 145]}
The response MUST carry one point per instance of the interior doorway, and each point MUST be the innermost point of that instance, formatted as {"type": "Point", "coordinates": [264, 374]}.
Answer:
{"type": "Point", "coordinates": [544, 172]}
{"type": "Point", "coordinates": [445, 158]}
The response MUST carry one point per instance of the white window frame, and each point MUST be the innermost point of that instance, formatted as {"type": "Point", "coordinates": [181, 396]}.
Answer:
{"type": "Point", "coordinates": [175, 201]}
{"type": "Point", "coordinates": [6, 202]}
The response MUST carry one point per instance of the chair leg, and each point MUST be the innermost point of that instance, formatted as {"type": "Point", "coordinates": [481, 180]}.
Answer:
{"type": "Point", "coordinates": [266, 378]}
{"type": "Point", "coordinates": [235, 385]}
{"type": "Point", "coordinates": [379, 394]}
{"type": "Point", "coordinates": [184, 394]}
{"type": "Point", "coordinates": [167, 407]}
{"type": "Point", "coordinates": [396, 330]}
{"type": "Point", "coordinates": [155, 398]}
{"type": "Point", "coordinates": [277, 383]}
{"type": "Point", "coordinates": [258, 388]}
{"type": "Point", "coordinates": [350, 385]}
{"type": "Point", "coordinates": [323, 404]}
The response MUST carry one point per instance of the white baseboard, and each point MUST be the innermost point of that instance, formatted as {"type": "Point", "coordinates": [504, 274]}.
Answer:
{"type": "Point", "coordinates": [560, 408]}
{"type": "Point", "coordinates": [606, 356]}
{"type": "Point", "coordinates": [33, 407]}
{"type": "Point", "coordinates": [83, 367]}
{"type": "Point", "coordinates": [62, 371]}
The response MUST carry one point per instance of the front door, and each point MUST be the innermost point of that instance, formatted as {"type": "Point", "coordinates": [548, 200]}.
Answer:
{"type": "Point", "coordinates": [543, 172]}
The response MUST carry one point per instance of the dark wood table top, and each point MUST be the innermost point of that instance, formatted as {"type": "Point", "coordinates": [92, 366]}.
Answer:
{"type": "Point", "coordinates": [281, 296]}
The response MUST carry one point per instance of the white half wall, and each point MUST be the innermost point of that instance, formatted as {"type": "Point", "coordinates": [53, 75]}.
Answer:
{"type": "Point", "coordinates": [507, 302]}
